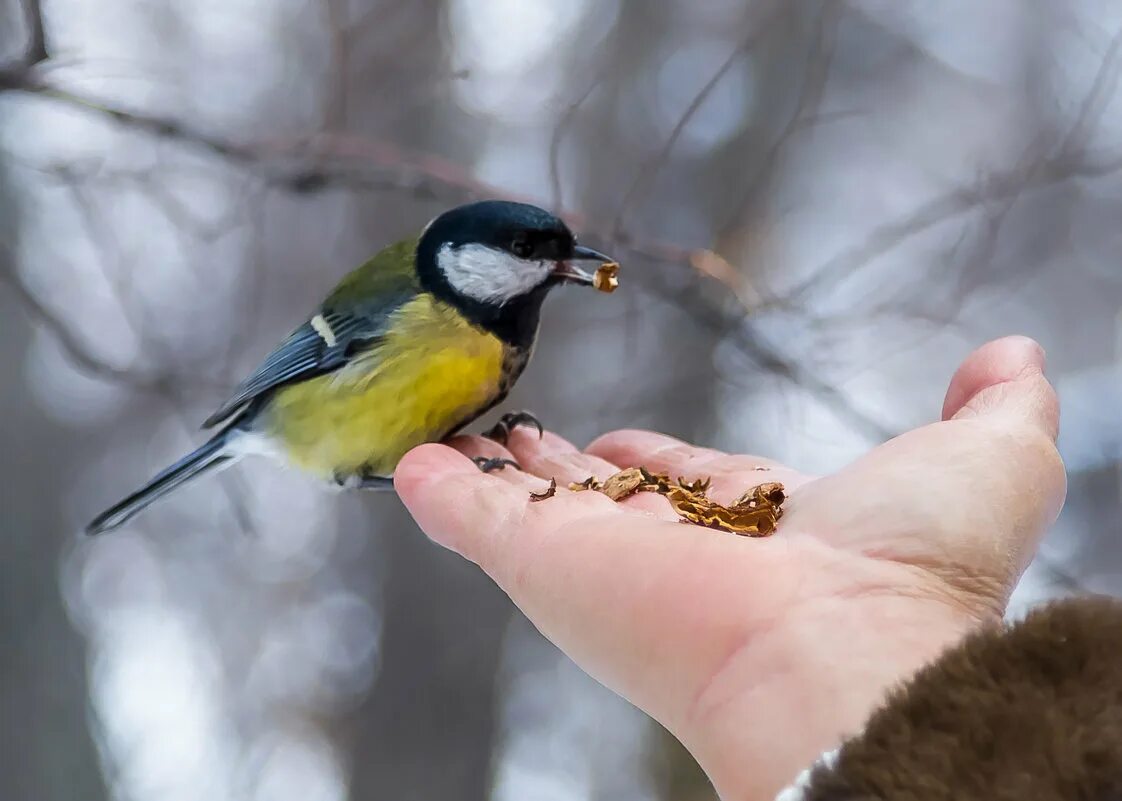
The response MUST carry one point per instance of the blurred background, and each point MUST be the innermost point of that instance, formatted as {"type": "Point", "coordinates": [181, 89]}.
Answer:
{"type": "Point", "coordinates": [821, 208]}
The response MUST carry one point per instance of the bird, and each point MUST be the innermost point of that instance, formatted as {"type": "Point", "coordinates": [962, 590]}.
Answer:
{"type": "Point", "coordinates": [409, 348]}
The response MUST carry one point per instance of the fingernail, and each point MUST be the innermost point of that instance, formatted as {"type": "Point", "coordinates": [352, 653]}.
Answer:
{"type": "Point", "coordinates": [1001, 360]}
{"type": "Point", "coordinates": [1027, 348]}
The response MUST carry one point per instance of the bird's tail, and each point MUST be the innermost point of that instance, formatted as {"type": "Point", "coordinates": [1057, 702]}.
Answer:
{"type": "Point", "coordinates": [208, 456]}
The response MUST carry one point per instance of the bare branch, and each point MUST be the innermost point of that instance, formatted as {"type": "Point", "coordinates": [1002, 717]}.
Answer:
{"type": "Point", "coordinates": [650, 169]}
{"type": "Point", "coordinates": [307, 163]}
{"type": "Point", "coordinates": [14, 76]}
{"type": "Point", "coordinates": [335, 107]}
{"type": "Point", "coordinates": [729, 320]}
{"type": "Point", "coordinates": [555, 142]}
{"type": "Point", "coordinates": [942, 208]}
{"type": "Point", "coordinates": [1103, 89]}
{"type": "Point", "coordinates": [810, 100]}
{"type": "Point", "coordinates": [1027, 175]}
{"type": "Point", "coordinates": [37, 38]}
{"type": "Point", "coordinates": [771, 359]}
{"type": "Point", "coordinates": [77, 350]}
{"type": "Point", "coordinates": [160, 383]}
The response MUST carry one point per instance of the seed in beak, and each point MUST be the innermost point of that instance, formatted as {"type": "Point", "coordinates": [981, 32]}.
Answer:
{"type": "Point", "coordinates": [605, 278]}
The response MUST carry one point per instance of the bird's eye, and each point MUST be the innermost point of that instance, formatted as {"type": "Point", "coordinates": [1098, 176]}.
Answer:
{"type": "Point", "coordinates": [521, 248]}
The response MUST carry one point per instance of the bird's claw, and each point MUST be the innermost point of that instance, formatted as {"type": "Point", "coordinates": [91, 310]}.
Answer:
{"type": "Point", "coordinates": [492, 465]}
{"type": "Point", "coordinates": [500, 432]}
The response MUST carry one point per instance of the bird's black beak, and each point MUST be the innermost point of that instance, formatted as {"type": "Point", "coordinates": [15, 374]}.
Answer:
{"type": "Point", "coordinates": [567, 273]}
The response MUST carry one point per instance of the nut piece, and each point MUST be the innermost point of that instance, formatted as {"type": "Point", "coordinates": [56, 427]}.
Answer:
{"type": "Point", "coordinates": [605, 278]}
{"type": "Point", "coordinates": [545, 494]}
{"type": "Point", "coordinates": [754, 514]}
{"type": "Point", "coordinates": [623, 484]}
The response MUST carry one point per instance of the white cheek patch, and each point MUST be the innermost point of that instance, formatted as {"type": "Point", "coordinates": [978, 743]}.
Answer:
{"type": "Point", "coordinates": [489, 275]}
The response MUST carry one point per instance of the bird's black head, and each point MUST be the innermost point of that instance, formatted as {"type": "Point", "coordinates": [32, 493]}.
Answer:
{"type": "Point", "coordinates": [495, 260]}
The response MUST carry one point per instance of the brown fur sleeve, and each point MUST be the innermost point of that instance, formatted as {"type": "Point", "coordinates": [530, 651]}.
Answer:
{"type": "Point", "coordinates": [1033, 711]}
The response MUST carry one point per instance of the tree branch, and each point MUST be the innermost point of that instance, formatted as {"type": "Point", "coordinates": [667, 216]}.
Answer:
{"type": "Point", "coordinates": [942, 208]}
{"type": "Point", "coordinates": [734, 323]}
{"type": "Point", "coordinates": [1025, 176]}
{"type": "Point", "coordinates": [37, 37]}
{"type": "Point", "coordinates": [335, 107]}
{"type": "Point", "coordinates": [73, 346]}
{"type": "Point", "coordinates": [646, 172]}
{"type": "Point", "coordinates": [559, 132]}
{"type": "Point", "coordinates": [1103, 88]}
{"type": "Point", "coordinates": [817, 73]}
{"type": "Point", "coordinates": [35, 52]}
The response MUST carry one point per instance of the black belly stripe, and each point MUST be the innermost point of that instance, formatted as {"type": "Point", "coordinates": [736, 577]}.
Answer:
{"type": "Point", "coordinates": [515, 360]}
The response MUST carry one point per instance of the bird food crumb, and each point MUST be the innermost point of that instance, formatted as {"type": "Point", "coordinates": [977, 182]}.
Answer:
{"type": "Point", "coordinates": [755, 513]}
{"type": "Point", "coordinates": [606, 277]}
{"type": "Point", "coordinates": [548, 492]}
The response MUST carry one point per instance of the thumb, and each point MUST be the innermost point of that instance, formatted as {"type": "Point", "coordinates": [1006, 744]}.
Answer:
{"type": "Point", "coordinates": [1005, 379]}
{"type": "Point", "coordinates": [967, 498]}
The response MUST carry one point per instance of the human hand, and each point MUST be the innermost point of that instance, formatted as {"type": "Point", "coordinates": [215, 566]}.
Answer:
{"type": "Point", "coordinates": [758, 654]}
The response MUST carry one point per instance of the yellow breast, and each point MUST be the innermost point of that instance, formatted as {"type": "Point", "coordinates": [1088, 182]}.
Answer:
{"type": "Point", "coordinates": [433, 372]}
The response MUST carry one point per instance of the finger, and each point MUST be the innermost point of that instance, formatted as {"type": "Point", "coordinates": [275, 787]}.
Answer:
{"type": "Point", "coordinates": [731, 474]}
{"type": "Point", "coordinates": [1005, 378]}
{"type": "Point", "coordinates": [551, 456]}
{"type": "Point", "coordinates": [473, 512]}
{"type": "Point", "coordinates": [603, 583]}
{"type": "Point", "coordinates": [967, 498]}
{"type": "Point", "coordinates": [474, 446]}
{"type": "Point", "coordinates": [453, 501]}
{"type": "Point", "coordinates": [632, 448]}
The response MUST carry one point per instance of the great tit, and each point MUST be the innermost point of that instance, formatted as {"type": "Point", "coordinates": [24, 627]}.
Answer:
{"type": "Point", "coordinates": [409, 348]}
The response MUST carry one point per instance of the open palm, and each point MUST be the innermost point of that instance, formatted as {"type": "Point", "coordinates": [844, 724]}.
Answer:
{"type": "Point", "coordinates": [760, 653]}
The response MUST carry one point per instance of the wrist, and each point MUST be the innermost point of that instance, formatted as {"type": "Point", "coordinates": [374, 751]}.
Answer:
{"type": "Point", "coordinates": [802, 687]}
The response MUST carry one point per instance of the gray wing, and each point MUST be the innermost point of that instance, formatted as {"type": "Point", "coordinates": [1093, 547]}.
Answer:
{"type": "Point", "coordinates": [321, 345]}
